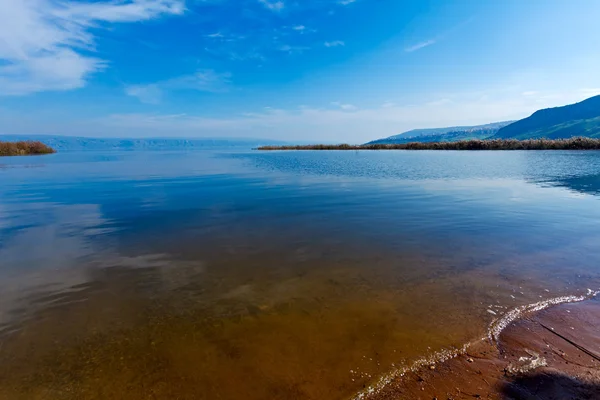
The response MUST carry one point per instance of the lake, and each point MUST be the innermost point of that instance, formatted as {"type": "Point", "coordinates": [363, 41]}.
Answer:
{"type": "Point", "coordinates": [236, 274]}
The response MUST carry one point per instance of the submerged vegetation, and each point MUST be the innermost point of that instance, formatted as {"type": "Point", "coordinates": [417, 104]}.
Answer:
{"type": "Point", "coordinates": [23, 148]}
{"type": "Point", "coordinates": [578, 143]}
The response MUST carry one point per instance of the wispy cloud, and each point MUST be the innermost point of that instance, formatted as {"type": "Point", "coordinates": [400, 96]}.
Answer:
{"type": "Point", "coordinates": [223, 37]}
{"type": "Point", "coordinates": [345, 107]}
{"type": "Point", "coordinates": [335, 43]}
{"type": "Point", "coordinates": [293, 49]}
{"type": "Point", "coordinates": [45, 45]}
{"type": "Point", "coordinates": [203, 80]}
{"type": "Point", "coordinates": [149, 94]}
{"type": "Point", "coordinates": [420, 45]}
{"type": "Point", "coordinates": [346, 2]}
{"type": "Point", "coordinates": [301, 29]}
{"type": "Point", "coordinates": [437, 38]}
{"type": "Point", "coordinates": [273, 5]}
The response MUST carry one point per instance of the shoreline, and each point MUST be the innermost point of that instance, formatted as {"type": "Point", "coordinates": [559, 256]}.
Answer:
{"type": "Point", "coordinates": [576, 143]}
{"type": "Point", "coordinates": [556, 347]}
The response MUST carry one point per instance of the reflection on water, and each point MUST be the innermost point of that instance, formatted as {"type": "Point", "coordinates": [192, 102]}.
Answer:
{"type": "Point", "coordinates": [204, 275]}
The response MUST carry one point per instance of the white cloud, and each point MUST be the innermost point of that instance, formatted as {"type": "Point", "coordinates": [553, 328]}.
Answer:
{"type": "Point", "coordinates": [334, 43]}
{"type": "Point", "coordinates": [346, 2]}
{"type": "Point", "coordinates": [149, 94]}
{"type": "Point", "coordinates": [45, 44]}
{"type": "Point", "coordinates": [117, 11]}
{"type": "Point", "coordinates": [273, 5]}
{"type": "Point", "coordinates": [345, 107]}
{"type": "Point", "coordinates": [203, 80]}
{"type": "Point", "coordinates": [64, 69]}
{"type": "Point", "coordinates": [420, 45]}
{"type": "Point", "coordinates": [299, 28]}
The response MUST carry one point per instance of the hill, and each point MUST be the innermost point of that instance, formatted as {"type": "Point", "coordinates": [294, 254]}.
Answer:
{"type": "Point", "coordinates": [450, 134]}
{"type": "Point", "coordinates": [579, 119]}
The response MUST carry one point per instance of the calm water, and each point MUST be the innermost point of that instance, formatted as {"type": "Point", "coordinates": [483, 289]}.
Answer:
{"type": "Point", "coordinates": [285, 275]}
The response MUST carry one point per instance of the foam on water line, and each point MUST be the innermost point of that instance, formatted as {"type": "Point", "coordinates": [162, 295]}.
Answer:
{"type": "Point", "coordinates": [498, 325]}
{"type": "Point", "coordinates": [495, 329]}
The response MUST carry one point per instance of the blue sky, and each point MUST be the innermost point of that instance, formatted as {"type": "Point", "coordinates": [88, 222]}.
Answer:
{"type": "Point", "coordinates": [318, 70]}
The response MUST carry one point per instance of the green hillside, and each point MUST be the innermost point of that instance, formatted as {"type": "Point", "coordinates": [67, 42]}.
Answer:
{"type": "Point", "coordinates": [451, 134]}
{"type": "Point", "coordinates": [580, 119]}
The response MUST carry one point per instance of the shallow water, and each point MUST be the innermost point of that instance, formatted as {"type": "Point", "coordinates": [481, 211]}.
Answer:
{"type": "Point", "coordinates": [233, 274]}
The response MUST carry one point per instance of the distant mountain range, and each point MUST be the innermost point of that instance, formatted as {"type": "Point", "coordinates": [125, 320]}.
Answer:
{"type": "Point", "coordinates": [451, 134]}
{"type": "Point", "coordinates": [68, 143]}
{"type": "Point", "coordinates": [580, 119]}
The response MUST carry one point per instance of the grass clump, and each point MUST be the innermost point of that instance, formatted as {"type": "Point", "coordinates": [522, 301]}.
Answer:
{"type": "Point", "coordinates": [576, 143]}
{"type": "Point", "coordinates": [24, 148]}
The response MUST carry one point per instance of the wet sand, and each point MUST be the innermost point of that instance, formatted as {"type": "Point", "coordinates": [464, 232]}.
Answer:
{"type": "Point", "coordinates": [546, 355]}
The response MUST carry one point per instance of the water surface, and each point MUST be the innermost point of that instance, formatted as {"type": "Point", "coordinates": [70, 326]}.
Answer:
{"type": "Point", "coordinates": [231, 274]}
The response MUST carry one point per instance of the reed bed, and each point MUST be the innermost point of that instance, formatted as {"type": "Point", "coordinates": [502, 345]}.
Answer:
{"type": "Point", "coordinates": [23, 148]}
{"type": "Point", "coordinates": [576, 143]}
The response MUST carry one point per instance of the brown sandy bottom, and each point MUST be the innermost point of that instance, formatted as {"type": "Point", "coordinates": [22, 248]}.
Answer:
{"type": "Point", "coordinates": [546, 355]}
{"type": "Point", "coordinates": [254, 327]}
{"type": "Point", "coordinates": [110, 342]}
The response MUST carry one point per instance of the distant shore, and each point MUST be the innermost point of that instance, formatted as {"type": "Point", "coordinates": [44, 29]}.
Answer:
{"type": "Point", "coordinates": [578, 143]}
{"type": "Point", "coordinates": [24, 148]}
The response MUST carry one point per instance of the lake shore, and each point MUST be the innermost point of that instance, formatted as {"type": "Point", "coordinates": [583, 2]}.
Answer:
{"type": "Point", "coordinates": [579, 143]}
{"type": "Point", "coordinates": [24, 148]}
{"type": "Point", "coordinates": [549, 354]}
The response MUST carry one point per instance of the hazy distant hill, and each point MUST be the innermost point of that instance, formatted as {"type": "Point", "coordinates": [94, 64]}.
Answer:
{"type": "Point", "coordinates": [451, 134]}
{"type": "Point", "coordinates": [580, 119]}
{"type": "Point", "coordinates": [69, 143]}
